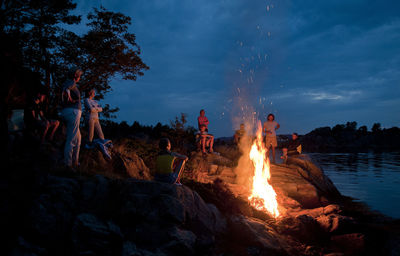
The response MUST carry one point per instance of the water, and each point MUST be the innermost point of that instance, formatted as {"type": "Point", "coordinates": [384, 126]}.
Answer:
{"type": "Point", "coordinates": [373, 178]}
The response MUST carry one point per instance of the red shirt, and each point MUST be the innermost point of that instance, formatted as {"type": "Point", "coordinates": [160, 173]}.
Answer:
{"type": "Point", "coordinates": [203, 120]}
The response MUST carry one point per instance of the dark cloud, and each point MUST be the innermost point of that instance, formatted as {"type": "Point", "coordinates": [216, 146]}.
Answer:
{"type": "Point", "coordinates": [312, 63]}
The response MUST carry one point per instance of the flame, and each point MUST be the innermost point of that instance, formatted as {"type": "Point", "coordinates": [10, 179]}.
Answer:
{"type": "Point", "coordinates": [263, 196]}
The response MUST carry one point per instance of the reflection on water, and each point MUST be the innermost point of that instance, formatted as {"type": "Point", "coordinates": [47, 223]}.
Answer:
{"type": "Point", "coordinates": [373, 178]}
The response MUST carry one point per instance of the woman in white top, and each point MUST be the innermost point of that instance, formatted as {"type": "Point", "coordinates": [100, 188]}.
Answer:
{"type": "Point", "coordinates": [270, 126]}
{"type": "Point", "coordinates": [92, 114]}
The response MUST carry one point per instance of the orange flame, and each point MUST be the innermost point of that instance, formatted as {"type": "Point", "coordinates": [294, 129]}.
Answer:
{"type": "Point", "coordinates": [263, 196]}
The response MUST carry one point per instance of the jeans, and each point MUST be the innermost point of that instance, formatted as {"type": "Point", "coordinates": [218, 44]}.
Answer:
{"type": "Point", "coordinates": [72, 117]}
{"type": "Point", "coordinates": [94, 124]}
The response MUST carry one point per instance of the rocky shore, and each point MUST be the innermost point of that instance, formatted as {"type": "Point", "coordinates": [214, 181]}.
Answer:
{"type": "Point", "coordinates": [114, 208]}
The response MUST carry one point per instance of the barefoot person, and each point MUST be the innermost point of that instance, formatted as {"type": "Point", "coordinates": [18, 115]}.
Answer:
{"type": "Point", "coordinates": [92, 115]}
{"type": "Point", "coordinates": [169, 165]}
{"type": "Point", "coordinates": [206, 140]}
{"type": "Point", "coordinates": [270, 127]}
{"type": "Point", "coordinates": [72, 111]}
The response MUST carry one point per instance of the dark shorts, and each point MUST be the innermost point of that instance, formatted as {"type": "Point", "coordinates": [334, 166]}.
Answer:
{"type": "Point", "coordinates": [167, 178]}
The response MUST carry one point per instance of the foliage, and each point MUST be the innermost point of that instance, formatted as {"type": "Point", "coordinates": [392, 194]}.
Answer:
{"type": "Point", "coordinates": [106, 50]}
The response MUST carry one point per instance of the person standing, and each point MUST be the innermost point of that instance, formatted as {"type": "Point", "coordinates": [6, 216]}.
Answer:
{"type": "Point", "coordinates": [270, 127]}
{"type": "Point", "coordinates": [71, 112]}
{"type": "Point", "coordinates": [92, 114]}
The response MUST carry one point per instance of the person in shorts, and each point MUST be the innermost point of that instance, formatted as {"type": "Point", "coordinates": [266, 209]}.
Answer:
{"type": "Point", "coordinates": [269, 128]}
{"type": "Point", "coordinates": [293, 148]}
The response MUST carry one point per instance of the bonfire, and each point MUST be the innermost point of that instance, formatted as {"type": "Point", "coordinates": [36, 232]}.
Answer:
{"type": "Point", "coordinates": [263, 195]}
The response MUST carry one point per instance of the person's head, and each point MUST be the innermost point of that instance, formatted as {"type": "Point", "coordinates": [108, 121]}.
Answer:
{"type": "Point", "coordinates": [75, 74]}
{"type": "Point", "coordinates": [271, 117]}
{"type": "Point", "coordinates": [91, 93]}
{"type": "Point", "coordinates": [202, 112]}
{"type": "Point", "coordinates": [241, 126]}
{"type": "Point", "coordinates": [40, 97]}
{"type": "Point", "coordinates": [295, 136]}
{"type": "Point", "coordinates": [164, 144]}
{"type": "Point", "coordinates": [202, 128]}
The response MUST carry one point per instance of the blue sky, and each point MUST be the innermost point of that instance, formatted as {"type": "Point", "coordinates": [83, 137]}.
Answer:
{"type": "Point", "coordinates": [311, 63]}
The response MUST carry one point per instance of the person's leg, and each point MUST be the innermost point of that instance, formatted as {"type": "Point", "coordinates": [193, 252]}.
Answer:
{"type": "Point", "coordinates": [99, 131]}
{"type": "Point", "coordinates": [273, 154]}
{"type": "Point", "coordinates": [203, 143]}
{"type": "Point", "coordinates": [179, 169]}
{"type": "Point", "coordinates": [76, 138]}
{"type": "Point", "coordinates": [46, 125]}
{"type": "Point", "coordinates": [55, 124]}
{"type": "Point", "coordinates": [211, 143]}
{"type": "Point", "coordinates": [69, 118]}
{"type": "Point", "coordinates": [91, 123]}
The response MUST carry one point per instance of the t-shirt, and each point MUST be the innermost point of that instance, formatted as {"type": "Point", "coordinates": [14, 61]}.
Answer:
{"type": "Point", "coordinates": [270, 126]}
{"type": "Point", "coordinates": [293, 146]}
{"type": "Point", "coordinates": [75, 95]}
{"type": "Point", "coordinates": [203, 120]}
{"type": "Point", "coordinates": [36, 108]}
{"type": "Point", "coordinates": [92, 108]}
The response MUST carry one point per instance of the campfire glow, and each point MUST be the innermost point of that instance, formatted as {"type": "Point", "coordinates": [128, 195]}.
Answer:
{"type": "Point", "coordinates": [263, 196]}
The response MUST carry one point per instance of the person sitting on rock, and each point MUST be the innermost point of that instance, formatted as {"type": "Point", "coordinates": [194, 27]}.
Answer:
{"type": "Point", "coordinates": [239, 134]}
{"type": "Point", "coordinates": [169, 165]}
{"type": "Point", "coordinates": [35, 119]}
{"type": "Point", "coordinates": [205, 140]}
{"type": "Point", "coordinates": [293, 148]}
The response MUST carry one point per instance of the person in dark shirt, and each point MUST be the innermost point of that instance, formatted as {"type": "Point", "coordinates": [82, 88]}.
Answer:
{"type": "Point", "coordinates": [169, 165]}
{"type": "Point", "coordinates": [293, 148]}
{"type": "Point", "coordinates": [35, 118]}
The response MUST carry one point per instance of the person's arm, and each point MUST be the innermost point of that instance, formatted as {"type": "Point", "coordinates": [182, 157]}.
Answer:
{"type": "Point", "coordinates": [206, 122]}
{"type": "Point", "coordinates": [179, 156]}
{"type": "Point", "coordinates": [277, 126]}
{"type": "Point", "coordinates": [98, 108]}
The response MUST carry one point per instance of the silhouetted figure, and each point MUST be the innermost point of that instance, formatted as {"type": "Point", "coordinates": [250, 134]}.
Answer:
{"type": "Point", "coordinates": [293, 148]}
{"type": "Point", "coordinates": [92, 109]}
{"type": "Point", "coordinates": [169, 165]}
{"type": "Point", "coordinates": [35, 118]}
{"type": "Point", "coordinates": [71, 112]}
{"type": "Point", "coordinates": [270, 127]}
{"type": "Point", "coordinates": [239, 134]}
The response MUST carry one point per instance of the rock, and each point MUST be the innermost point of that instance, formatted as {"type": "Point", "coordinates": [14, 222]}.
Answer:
{"type": "Point", "coordinates": [125, 162]}
{"type": "Point", "coordinates": [350, 244]}
{"type": "Point", "coordinates": [303, 228]}
{"type": "Point", "coordinates": [257, 234]}
{"type": "Point", "coordinates": [182, 242]}
{"type": "Point", "coordinates": [92, 236]}
{"type": "Point", "coordinates": [130, 249]}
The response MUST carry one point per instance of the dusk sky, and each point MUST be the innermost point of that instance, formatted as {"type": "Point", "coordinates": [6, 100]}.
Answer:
{"type": "Point", "coordinates": [311, 63]}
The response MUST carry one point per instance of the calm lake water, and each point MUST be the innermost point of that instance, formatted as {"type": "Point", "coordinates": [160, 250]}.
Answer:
{"type": "Point", "coordinates": [373, 178]}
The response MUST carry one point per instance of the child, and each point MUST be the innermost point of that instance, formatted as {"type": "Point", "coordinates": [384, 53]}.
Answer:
{"type": "Point", "coordinates": [293, 148]}
{"type": "Point", "coordinates": [92, 110]}
{"type": "Point", "coordinates": [205, 139]}
{"type": "Point", "coordinates": [169, 165]}
{"type": "Point", "coordinates": [203, 120]}
{"type": "Point", "coordinates": [239, 134]}
{"type": "Point", "coordinates": [270, 126]}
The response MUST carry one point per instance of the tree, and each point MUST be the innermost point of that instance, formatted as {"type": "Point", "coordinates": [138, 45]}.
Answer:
{"type": "Point", "coordinates": [351, 126]}
{"type": "Point", "coordinates": [106, 50]}
{"type": "Point", "coordinates": [376, 127]}
{"type": "Point", "coordinates": [363, 130]}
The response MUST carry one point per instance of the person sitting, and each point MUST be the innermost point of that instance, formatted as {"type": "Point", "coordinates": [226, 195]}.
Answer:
{"type": "Point", "coordinates": [205, 140]}
{"type": "Point", "coordinates": [169, 165]}
{"type": "Point", "coordinates": [239, 134]}
{"type": "Point", "coordinates": [92, 115]}
{"type": "Point", "coordinates": [293, 148]}
{"type": "Point", "coordinates": [35, 119]}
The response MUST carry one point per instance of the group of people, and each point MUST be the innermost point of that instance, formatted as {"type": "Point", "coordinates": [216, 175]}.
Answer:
{"type": "Point", "coordinates": [293, 147]}
{"type": "Point", "coordinates": [36, 120]}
